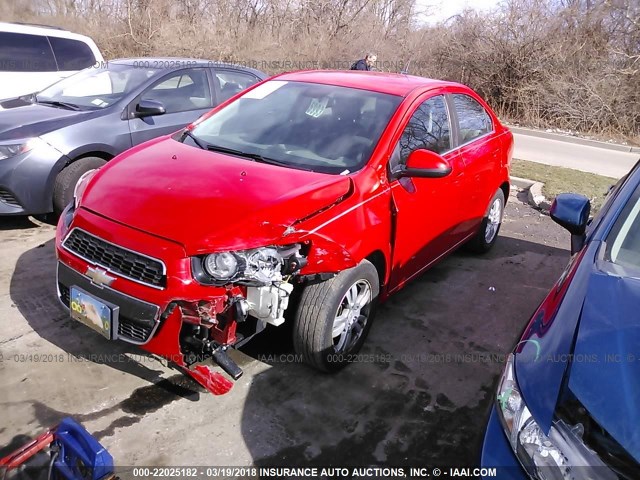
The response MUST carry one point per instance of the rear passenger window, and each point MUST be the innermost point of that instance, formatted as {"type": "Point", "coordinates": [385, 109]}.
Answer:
{"type": "Point", "coordinates": [232, 82]}
{"type": "Point", "coordinates": [20, 52]}
{"type": "Point", "coordinates": [473, 119]}
{"type": "Point", "coordinates": [72, 54]}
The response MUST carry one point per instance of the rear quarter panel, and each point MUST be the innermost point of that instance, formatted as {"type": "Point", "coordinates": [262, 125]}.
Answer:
{"type": "Point", "coordinates": [487, 160]}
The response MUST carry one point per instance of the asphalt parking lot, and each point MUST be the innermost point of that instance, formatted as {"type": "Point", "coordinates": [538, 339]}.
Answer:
{"type": "Point", "coordinates": [418, 395]}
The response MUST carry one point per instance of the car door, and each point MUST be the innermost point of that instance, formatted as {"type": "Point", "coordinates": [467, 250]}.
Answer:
{"type": "Point", "coordinates": [426, 210]}
{"type": "Point", "coordinates": [480, 150]}
{"type": "Point", "coordinates": [185, 95]}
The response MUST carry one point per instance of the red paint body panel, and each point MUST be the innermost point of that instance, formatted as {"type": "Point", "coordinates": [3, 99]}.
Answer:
{"type": "Point", "coordinates": [391, 83]}
{"type": "Point", "coordinates": [171, 201]}
{"type": "Point", "coordinates": [212, 381]}
{"type": "Point", "coordinates": [210, 201]}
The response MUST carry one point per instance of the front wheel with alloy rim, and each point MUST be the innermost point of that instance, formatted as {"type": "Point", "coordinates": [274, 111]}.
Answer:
{"type": "Point", "coordinates": [488, 231]}
{"type": "Point", "coordinates": [334, 317]}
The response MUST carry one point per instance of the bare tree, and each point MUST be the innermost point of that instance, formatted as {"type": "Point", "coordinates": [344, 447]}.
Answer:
{"type": "Point", "coordinates": [572, 64]}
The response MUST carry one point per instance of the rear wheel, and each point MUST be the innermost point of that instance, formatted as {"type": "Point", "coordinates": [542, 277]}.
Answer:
{"type": "Point", "coordinates": [67, 179]}
{"type": "Point", "coordinates": [334, 317]}
{"type": "Point", "coordinates": [488, 231]}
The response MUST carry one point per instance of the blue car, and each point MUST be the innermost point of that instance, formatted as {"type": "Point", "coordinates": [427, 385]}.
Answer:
{"type": "Point", "coordinates": [568, 402]}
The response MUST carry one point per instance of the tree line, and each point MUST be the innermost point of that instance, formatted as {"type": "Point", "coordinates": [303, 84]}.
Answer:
{"type": "Point", "coordinates": [568, 64]}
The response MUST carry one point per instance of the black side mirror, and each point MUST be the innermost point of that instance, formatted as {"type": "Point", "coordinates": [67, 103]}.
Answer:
{"type": "Point", "coordinates": [148, 108]}
{"type": "Point", "coordinates": [571, 211]}
{"type": "Point", "coordinates": [424, 164]}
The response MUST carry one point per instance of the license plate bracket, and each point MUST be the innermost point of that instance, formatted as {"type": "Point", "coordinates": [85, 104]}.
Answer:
{"type": "Point", "coordinates": [93, 312]}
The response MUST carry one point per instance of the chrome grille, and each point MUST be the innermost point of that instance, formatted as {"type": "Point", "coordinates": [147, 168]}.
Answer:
{"type": "Point", "coordinates": [128, 264]}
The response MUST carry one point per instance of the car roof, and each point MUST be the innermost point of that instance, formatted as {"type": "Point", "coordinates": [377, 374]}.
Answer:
{"type": "Point", "coordinates": [49, 31]}
{"type": "Point", "coordinates": [34, 29]}
{"type": "Point", "coordinates": [174, 63]}
{"type": "Point", "coordinates": [391, 83]}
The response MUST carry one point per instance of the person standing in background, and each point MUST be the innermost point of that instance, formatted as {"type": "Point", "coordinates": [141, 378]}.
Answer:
{"type": "Point", "coordinates": [367, 63]}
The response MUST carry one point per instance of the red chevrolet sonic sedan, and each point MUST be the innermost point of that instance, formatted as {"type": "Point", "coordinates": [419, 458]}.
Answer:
{"type": "Point", "coordinates": [308, 198]}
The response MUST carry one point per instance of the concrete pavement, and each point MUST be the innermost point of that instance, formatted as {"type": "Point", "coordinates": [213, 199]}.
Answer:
{"type": "Point", "coordinates": [571, 152]}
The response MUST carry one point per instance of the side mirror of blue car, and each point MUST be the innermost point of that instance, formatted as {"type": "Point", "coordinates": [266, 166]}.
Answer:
{"type": "Point", "coordinates": [571, 211]}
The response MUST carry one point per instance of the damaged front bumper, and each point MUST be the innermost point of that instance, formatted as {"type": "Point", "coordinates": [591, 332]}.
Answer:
{"type": "Point", "coordinates": [186, 333]}
{"type": "Point", "coordinates": [165, 311]}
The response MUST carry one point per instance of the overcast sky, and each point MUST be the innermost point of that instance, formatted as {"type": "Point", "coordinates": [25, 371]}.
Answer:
{"type": "Point", "coordinates": [439, 10]}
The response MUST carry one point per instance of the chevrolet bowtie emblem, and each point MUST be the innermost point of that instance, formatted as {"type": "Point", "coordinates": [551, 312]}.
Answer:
{"type": "Point", "coordinates": [99, 276]}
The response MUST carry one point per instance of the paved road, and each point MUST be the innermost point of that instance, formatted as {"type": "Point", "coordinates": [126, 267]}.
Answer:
{"type": "Point", "coordinates": [562, 153]}
{"type": "Point", "coordinates": [418, 396]}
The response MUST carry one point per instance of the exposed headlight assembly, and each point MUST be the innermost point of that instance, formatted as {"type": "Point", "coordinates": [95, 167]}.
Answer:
{"type": "Point", "coordinates": [560, 455]}
{"type": "Point", "coordinates": [262, 266]}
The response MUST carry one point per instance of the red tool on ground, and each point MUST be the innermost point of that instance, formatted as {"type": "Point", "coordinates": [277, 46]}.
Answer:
{"type": "Point", "coordinates": [67, 452]}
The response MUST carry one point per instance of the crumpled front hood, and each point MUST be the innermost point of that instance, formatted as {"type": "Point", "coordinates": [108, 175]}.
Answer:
{"type": "Point", "coordinates": [207, 201]}
{"type": "Point", "coordinates": [35, 120]}
{"type": "Point", "coordinates": [605, 373]}
{"type": "Point", "coordinates": [543, 353]}
{"type": "Point", "coordinates": [588, 328]}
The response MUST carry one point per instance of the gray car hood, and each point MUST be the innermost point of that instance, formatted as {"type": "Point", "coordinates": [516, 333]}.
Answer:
{"type": "Point", "coordinates": [35, 120]}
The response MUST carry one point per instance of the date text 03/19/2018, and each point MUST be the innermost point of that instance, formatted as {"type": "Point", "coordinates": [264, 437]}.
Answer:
{"type": "Point", "coordinates": [310, 472]}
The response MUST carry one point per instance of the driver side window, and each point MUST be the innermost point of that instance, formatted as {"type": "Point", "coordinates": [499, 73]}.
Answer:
{"type": "Point", "coordinates": [427, 129]}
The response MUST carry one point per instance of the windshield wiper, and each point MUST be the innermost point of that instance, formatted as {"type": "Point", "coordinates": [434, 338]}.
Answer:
{"type": "Point", "coordinates": [56, 103]}
{"type": "Point", "coordinates": [267, 160]}
{"type": "Point", "coordinates": [187, 133]}
{"type": "Point", "coordinates": [232, 151]}
{"type": "Point", "coordinates": [253, 156]}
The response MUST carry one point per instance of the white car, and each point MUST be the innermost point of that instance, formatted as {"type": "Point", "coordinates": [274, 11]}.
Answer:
{"type": "Point", "coordinates": [32, 57]}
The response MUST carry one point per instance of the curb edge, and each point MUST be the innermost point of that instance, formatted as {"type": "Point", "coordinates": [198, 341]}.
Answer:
{"type": "Point", "coordinates": [534, 193]}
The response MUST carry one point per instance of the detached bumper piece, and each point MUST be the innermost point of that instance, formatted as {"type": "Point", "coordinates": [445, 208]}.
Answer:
{"type": "Point", "coordinates": [212, 381]}
{"type": "Point", "coordinates": [67, 451]}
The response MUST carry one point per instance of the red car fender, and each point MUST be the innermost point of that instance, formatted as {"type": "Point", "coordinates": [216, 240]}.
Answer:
{"type": "Point", "coordinates": [327, 256]}
{"type": "Point", "coordinates": [336, 236]}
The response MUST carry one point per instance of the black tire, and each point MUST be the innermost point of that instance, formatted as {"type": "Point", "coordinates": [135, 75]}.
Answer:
{"type": "Point", "coordinates": [482, 242]}
{"type": "Point", "coordinates": [319, 306]}
{"type": "Point", "coordinates": [67, 179]}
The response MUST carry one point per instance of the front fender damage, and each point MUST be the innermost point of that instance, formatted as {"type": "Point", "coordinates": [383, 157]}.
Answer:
{"type": "Point", "coordinates": [326, 256]}
{"type": "Point", "coordinates": [196, 334]}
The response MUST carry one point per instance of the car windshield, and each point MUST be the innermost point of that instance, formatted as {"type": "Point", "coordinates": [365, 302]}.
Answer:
{"type": "Point", "coordinates": [96, 88]}
{"type": "Point", "coordinates": [623, 242]}
{"type": "Point", "coordinates": [322, 128]}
